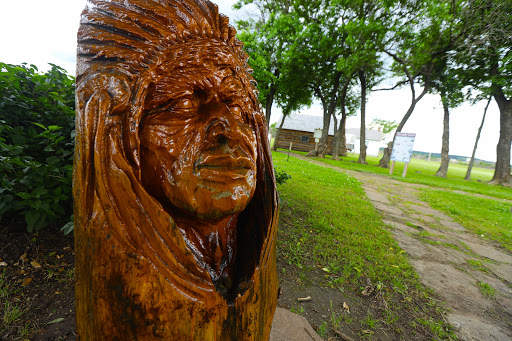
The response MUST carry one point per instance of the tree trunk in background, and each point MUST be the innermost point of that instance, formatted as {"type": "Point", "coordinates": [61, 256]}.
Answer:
{"type": "Point", "coordinates": [328, 113]}
{"type": "Point", "coordinates": [445, 158]}
{"type": "Point", "coordinates": [278, 132]}
{"type": "Point", "coordinates": [502, 171]}
{"type": "Point", "coordinates": [342, 141]}
{"type": "Point", "coordinates": [322, 145]}
{"type": "Point", "coordinates": [362, 134]}
{"type": "Point", "coordinates": [470, 166]}
{"type": "Point", "coordinates": [337, 145]}
{"type": "Point", "coordinates": [343, 137]}
{"type": "Point", "coordinates": [270, 101]}
{"type": "Point", "coordinates": [386, 156]}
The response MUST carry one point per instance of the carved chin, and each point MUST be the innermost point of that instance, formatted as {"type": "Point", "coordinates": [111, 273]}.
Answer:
{"type": "Point", "coordinates": [210, 200]}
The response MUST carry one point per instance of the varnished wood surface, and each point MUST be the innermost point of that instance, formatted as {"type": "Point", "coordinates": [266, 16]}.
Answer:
{"type": "Point", "coordinates": [175, 201]}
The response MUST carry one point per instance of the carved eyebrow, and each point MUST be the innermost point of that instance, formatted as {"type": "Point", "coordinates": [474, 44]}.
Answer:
{"type": "Point", "coordinates": [168, 102]}
{"type": "Point", "coordinates": [230, 88]}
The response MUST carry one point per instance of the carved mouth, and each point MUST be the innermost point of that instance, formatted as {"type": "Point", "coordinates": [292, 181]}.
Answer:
{"type": "Point", "coordinates": [224, 161]}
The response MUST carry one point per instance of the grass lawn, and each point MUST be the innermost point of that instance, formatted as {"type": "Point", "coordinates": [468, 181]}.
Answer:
{"type": "Point", "coordinates": [487, 217]}
{"type": "Point", "coordinates": [328, 225]}
{"type": "Point", "coordinates": [423, 172]}
{"type": "Point", "coordinates": [484, 216]}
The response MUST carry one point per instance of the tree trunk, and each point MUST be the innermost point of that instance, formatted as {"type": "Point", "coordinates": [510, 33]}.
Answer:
{"type": "Point", "coordinates": [269, 102]}
{"type": "Point", "coordinates": [362, 134]}
{"type": "Point", "coordinates": [278, 132]}
{"type": "Point", "coordinates": [470, 166]}
{"type": "Point", "coordinates": [445, 158]}
{"type": "Point", "coordinates": [342, 141]}
{"type": "Point", "coordinates": [386, 156]}
{"type": "Point", "coordinates": [384, 161]}
{"type": "Point", "coordinates": [343, 136]}
{"type": "Point", "coordinates": [328, 112]}
{"type": "Point", "coordinates": [502, 171]}
{"type": "Point", "coordinates": [335, 144]}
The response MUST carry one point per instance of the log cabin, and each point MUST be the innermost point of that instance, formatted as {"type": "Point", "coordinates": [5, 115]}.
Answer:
{"type": "Point", "coordinates": [299, 129]}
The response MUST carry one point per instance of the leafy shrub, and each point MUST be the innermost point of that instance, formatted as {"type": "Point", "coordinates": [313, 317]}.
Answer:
{"type": "Point", "coordinates": [36, 145]}
{"type": "Point", "coordinates": [281, 176]}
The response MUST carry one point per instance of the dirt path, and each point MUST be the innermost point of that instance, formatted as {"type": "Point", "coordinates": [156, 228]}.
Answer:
{"type": "Point", "coordinates": [449, 259]}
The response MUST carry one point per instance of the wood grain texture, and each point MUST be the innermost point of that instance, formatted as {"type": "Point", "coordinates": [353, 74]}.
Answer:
{"type": "Point", "coordinates": [175, 200]}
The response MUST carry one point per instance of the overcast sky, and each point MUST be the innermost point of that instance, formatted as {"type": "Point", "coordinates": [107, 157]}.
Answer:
{"type": "Point", "coordinates": [41, 32]}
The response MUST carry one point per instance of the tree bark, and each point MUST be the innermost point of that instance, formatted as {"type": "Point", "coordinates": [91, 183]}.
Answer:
{"type": "Point", "coordinates": [340, 140]}
{"type": "Point", "coordinates": [502, 171]}
{"type": "Point", "coordinates": [470, 166]}
{"type": "Point", "coordinates": [328, 112]}
{"type": "Point", "coordinates": [269, 102]}
{"type": "Point", "coordinates": [362, 134]}
{"type": "Point", "coordinates": [445, 158]}
{"type": "Point", "coordinates": [278, 132]}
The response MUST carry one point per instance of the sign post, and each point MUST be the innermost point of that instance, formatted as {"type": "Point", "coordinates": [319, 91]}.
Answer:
{"type": "Point", "coordinates": [317, 135]}
{"type": "Point", "coordinates": [402, 150]}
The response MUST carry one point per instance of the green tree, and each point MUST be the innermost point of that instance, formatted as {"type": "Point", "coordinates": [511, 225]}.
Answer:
{"type": "Point", "coordinates": [419, 49]}
{"type": "Point", "coordinates": [485, 59]}
{"type": "Point", "coordinates": [386, 127]}
{"type": "Point", "coordinates": [269, 42]}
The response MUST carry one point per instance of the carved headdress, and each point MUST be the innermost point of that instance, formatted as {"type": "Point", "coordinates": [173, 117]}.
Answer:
{"type": "Point", "coordinates": [121, 46]}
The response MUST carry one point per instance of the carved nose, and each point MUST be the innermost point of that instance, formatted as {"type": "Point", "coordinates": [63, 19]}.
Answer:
{"type": "Point", "coordinates": [222, 127]}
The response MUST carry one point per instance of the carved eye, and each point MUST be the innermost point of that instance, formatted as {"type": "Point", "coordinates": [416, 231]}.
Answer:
{"type": "Point", "coordinates": [236, 110]}
{"type": "Point", "coordinates": [184, 104]}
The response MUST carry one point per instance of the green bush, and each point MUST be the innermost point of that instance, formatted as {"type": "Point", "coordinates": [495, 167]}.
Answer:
{"type": "Point", "coordinates": [281, 176]}
{"type": "Point", "coordinates": [36, 145]}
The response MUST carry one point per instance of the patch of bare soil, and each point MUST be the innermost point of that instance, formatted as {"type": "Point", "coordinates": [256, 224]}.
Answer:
{"type": "Point", "coordinates": [471, 274]}
{"type": "Point", "coordinates": [36, 286]}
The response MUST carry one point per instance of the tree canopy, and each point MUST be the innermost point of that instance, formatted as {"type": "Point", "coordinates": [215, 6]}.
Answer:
{"type": "Point", "coordinates": [305, 51]}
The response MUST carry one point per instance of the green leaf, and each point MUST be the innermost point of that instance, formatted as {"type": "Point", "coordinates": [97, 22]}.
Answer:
{"type": "Point", "coordinates": [39, 125]}
{"type": "Point", "coordinates": [39, 191]}
{"type": "Point", "coordinates": [31, 218]}
{"type": "Point", "coordinates": [19, 139]}
{"type": "Point", "coordinates": [52, 160]}
{"type": "Point", "coordinates": [68, 228]}
{"type": "Point", "coordinates": [24, 195]}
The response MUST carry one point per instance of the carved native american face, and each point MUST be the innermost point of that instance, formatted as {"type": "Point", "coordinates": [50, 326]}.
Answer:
{"type": "Point", "coordinates": [198, 151]}
{"type": "Point", "coordinates": [173, 161]}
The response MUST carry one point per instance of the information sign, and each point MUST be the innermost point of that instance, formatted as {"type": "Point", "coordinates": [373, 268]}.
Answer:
{"type": "Point", "coordinates": [402, 149]}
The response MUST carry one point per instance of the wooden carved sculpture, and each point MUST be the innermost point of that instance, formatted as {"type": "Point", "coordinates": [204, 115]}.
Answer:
{"type": "Point", "coordinates": [175, 202]}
